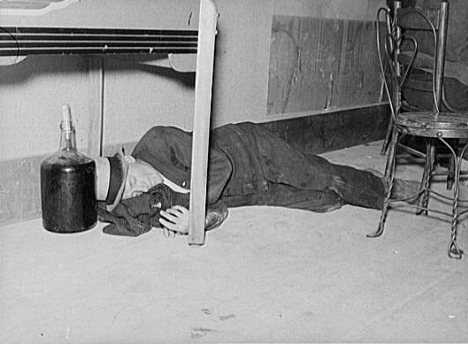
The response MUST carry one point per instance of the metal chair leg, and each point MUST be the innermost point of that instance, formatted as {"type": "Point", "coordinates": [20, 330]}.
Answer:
{"type": "Point", "coordinates": [423, 200]}
{"type": "Point", "coordinates": [388, 137]}
{"type": "Point", "coordinates": [451, 174]}
{"type": "Point", "coordinates": [453, 250]}
{"type": "Point", "coordinates": [389, 178]}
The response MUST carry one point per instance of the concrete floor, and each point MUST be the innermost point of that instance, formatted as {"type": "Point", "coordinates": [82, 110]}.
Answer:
{"type": "Point", "coordinates": [267, 275]}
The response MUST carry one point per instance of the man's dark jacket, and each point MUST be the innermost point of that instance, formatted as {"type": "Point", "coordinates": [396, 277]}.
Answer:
{"type": "Point", "coordinates": [249, 165]}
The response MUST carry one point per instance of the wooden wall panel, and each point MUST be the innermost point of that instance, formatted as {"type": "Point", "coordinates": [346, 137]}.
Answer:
{"type": "Point", "coordinates": [321, 64]}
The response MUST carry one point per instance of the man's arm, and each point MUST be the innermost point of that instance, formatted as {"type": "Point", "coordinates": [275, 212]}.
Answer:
{"type": "Point", "coordinates": [169, 150]}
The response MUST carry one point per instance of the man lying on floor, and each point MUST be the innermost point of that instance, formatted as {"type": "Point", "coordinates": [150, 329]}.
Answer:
{"type": "Point", "coordinates": [248, 165]}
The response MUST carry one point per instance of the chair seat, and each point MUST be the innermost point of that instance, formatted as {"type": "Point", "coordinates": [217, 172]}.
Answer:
{"type": "Point", "coordinates": [428, 124]}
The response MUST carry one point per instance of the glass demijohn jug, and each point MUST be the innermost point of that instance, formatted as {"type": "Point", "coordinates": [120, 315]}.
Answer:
{"type": "Point", "coordinates": [68, 196]}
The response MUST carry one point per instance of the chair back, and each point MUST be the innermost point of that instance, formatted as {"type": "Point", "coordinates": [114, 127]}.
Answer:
{"type": "Point", "coordinates": [400, 39]}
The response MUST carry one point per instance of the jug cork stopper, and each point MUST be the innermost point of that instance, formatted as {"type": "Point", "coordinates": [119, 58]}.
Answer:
{"type": "Point", "coordinates": [66, 117]}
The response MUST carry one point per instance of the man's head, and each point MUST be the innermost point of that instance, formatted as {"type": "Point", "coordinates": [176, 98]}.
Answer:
{"type": "Point", "coordinates": [111, 175]}
{"type": "Point", "coordinates": [121, 177]}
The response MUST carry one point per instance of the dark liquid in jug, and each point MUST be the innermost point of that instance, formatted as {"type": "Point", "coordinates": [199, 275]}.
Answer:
{"type": "Point", "coordinates": [68, 196]}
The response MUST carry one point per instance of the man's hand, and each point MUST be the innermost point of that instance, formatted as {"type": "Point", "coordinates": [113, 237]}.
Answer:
{"type": "Point", "coordinates": [174, 220]}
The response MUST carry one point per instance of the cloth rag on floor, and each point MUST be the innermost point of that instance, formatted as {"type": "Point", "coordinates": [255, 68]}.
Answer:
{"type": "Point", "coordinates": [138, 215]}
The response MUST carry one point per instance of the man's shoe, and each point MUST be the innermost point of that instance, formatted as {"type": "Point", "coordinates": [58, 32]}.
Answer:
{"type": "Point", "coordinates": [215, 215]}
{"type": "Point", "coordinates": [406, 190]}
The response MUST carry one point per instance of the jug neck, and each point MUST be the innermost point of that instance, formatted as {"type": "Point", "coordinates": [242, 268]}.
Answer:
{"type": "Point", "coordinates": [68, 138]}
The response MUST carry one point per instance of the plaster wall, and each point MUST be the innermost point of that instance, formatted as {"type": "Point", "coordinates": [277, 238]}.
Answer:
{"type": "Point", "coordinates": [137, 97]}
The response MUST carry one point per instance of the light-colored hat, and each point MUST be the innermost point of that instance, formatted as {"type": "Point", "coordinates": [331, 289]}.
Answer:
{"type": "Point", "coordinates": [111, 174]}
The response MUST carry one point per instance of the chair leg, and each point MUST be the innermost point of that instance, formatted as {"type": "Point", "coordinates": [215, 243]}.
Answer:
{"type": "Point", "coordinates": [454, 251]}
{"type": "Point", "coordinates": [389, 178]}
{"type": "Point", "coordinates": [451, 165]}
{"type": "Point", "coordinates": [451, 174]}
{"type": "Point", "coordinates": [388, 137]}
{"type": "Point", "coordinates": [426, 179]}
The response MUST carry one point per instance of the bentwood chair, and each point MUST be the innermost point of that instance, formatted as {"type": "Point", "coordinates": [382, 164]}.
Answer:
{"type": "Point", "coordinates": [418, 90]}
{"type": "Point", "coordinates": [398, 50]}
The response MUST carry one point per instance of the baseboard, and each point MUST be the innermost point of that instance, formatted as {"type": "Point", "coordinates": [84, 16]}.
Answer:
{"type": "Point", "coordinates": [322, 133]}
